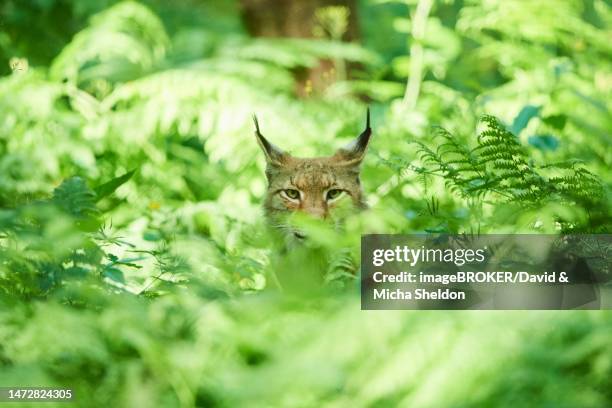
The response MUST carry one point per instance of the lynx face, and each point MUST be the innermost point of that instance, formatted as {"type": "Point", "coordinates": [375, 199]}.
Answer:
{"type": "Point", "coordinates": [316, 187]}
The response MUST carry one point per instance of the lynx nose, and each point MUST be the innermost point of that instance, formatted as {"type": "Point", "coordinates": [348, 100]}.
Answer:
{"type": "Point", "coordinates": [316, 212]}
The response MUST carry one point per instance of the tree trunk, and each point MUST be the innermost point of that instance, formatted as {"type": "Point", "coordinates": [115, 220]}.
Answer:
{"type": "Point", "coordinates": [296, 18]}
{"type": "Point", "coordinates": [291, 18]}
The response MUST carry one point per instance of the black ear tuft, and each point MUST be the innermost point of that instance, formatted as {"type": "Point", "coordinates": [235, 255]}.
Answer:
{"type": "Point", "coordinates": [354, 152]}
{"type": "Point", "coordinates": [364, 137]}
{"type": "Point", "coordinates": [257, 131]}
{"type": "Point", "coordinates": [274, 155]}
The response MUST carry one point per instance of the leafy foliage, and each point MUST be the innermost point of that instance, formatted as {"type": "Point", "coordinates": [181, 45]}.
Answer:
{"type": "Point", "coordinates": [499, 165]}
{"type": "Point", "coordinates": [44, 243]}
{"type": "Point", "coordinates": [135, 266]}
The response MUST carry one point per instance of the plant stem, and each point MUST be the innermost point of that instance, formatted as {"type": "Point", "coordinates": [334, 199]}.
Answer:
{"type": "Point", "coordinates": [419, 22]}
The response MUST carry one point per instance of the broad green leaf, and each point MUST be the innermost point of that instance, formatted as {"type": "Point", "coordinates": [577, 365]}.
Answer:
{"type": "Point", "coordinates": [106, 189]}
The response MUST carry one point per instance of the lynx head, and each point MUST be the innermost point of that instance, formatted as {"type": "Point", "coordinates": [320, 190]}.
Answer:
{"type": "Point", "coordinates": [313, 186]}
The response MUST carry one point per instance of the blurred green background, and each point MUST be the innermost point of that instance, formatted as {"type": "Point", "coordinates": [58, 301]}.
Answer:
{"type": "Point", "coordinates": [136, 267]}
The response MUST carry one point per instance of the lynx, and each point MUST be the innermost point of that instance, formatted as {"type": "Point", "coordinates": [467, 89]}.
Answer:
{"type": "Point", "coordinates": [313, 186]}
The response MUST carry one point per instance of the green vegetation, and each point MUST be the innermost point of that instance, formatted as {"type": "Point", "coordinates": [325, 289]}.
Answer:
{"type": "Point", "coordinates": [135, 264]}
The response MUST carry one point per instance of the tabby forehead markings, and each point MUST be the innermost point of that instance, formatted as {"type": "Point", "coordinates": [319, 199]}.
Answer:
{"type": "Point", "coordinates": [314, 186]}
{"type": "Point", "coordinates": [311, 178]}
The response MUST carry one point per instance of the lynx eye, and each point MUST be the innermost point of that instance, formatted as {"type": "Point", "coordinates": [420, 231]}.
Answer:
{"type": "Point", "coordinates": [292, 194]}
{"type": "Point", "coordinates": [333, 194]}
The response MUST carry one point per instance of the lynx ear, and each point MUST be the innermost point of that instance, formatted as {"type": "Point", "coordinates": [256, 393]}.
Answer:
{"type": "Point", "coordinates": [354, 152]}
{"type": "Point", "coordinates": [274, 155]}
